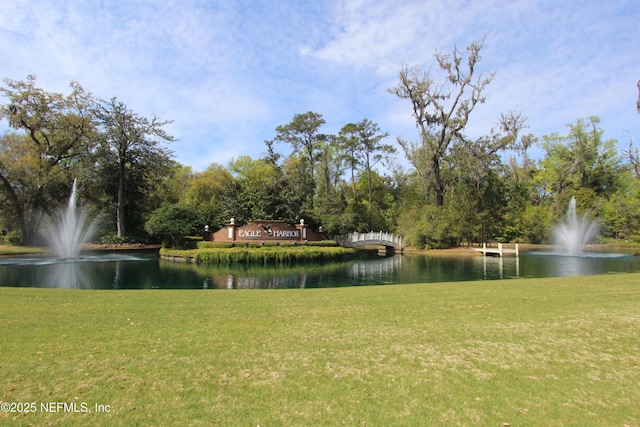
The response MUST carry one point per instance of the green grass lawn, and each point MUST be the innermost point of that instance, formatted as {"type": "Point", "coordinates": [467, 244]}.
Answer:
{"type": "Point", "coordinates": [531, 352]}
{"type": "Point", "coordinates": [21, 250]}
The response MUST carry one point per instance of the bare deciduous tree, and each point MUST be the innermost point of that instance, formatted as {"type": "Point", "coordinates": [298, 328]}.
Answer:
{"type": "Point", "coordinates": [441, 108]}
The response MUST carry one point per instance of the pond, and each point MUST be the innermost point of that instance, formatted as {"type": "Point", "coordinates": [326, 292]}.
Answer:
{"type": "Point", "coordinates": [145, 270]}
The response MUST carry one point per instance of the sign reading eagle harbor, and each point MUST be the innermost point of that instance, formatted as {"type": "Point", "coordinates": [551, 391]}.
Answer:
{"type": "Point", "coordinates": [264, 230]}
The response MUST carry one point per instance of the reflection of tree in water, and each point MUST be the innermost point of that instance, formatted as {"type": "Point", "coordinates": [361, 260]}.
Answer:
{"type": "Point", "coordinates": [288, 281]}
{"type": "Point", "coordinates": [367, 271]}
{"type": "Point", "coordinates": [117, 278]}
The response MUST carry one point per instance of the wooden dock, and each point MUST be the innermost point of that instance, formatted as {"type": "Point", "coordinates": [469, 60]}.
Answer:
{"type": "Point", "coordinates": [499, 251]}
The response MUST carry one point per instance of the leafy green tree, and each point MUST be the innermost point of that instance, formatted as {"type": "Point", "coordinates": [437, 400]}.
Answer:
{"type": "Point", "coordinates": [348, 142]}
{"type": "Point", "coordinates": [212, 193]}
{"type": "Point", "coordinates": [619, 215]}
{"type": "Point", "coordinates": [477, 207]}
{"type": "Point", "coordinates": [294, 193]}
{"type": "Point", "coordinates": [522, 194]}
{"type": "Point", "coordinates": [535, 224]}
{"type": "Point", "coordinates": [207, 187]}
{"type": "Point", "coordinates": [56, 136]}
{"type": "Point", "coordinates": [362, 150]}
{"type": "Point", "coordinates": [333, 215]}
{"type": "Point", "coordinates": [288, 201]}
{"type": "Point", "coordinates": [372, 211]}
{"type": "Point", "coordinates": [257, 196]}
{"type": "Point", "coordinates": [426, 226]}
{"type": "Point", "coordinates": [477, 178]}
{"type": "Point", "coordinates": [303, 134]}
{"type": "Point", "coordinates": [173, 223]}
{"type": "Point", "coordinates": [330, 165]}
{"type": "Point", "coordinates": [476, 183]}
{"type": "Point", "coordinates": [520, 188]}
{"type": "Point", "coordinates": [15, 180]}
{"type": "Point", "coordinates": [581, 159]}
{"type": "Point", "coordinates": [370, 151]}
{"type": "Point", "coordinates": [172, 185]}
{"type": "Point", "coordinates": [132, 148]}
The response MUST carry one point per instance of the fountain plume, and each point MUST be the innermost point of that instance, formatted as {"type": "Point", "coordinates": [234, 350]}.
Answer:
{"type": "Point", "coordinates": [70, 230]}
{"type": "Point", "coordinates": [574, 232]}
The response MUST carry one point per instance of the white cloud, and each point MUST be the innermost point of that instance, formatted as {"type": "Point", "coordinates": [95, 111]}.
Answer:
{"type": "Point", "coordinates": [228, 73]}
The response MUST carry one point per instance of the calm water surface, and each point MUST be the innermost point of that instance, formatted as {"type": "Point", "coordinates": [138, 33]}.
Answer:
{"type": "Point", "coordinates": [148, 271]}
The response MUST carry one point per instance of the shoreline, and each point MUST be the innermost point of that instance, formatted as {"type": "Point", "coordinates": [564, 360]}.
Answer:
{"type": "Point", "coordinates": [8, 251]}
{"type": "Point", "coordinates": [628, 248]}
{"type": "Point", "coordinates": [633, 248]}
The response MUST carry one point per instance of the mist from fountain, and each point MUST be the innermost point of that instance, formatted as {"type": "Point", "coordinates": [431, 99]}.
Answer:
{"type": "Point", "coordinates": [70, 230]}
{"type": "Point", "coordinates": [572, 234]}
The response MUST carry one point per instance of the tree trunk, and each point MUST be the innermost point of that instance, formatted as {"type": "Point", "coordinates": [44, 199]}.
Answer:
{"type": "Point", "coordinates": [437, 181]}
{"type": "Point", "coordinates": [353, 184]}
{"type": "Point", "coordinates": [638, 103]}
{"type": "Point", "coordinates": [120, 214]}
{"type": "Point", "coordinates": [17, 207]}
{"type": "Point", "coordinates": [370, 194]}
{"type": "Point", "coordinates": [312, 184]}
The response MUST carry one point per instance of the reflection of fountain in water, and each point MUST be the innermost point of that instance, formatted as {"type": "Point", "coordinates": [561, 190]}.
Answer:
{"type": "Point", "coordinates": [68, 275]}
{"type": "Point", "coordinates": [87, 272]}
{"type": "Point", "coordinates": [573, 233]}
{"type": "Point", "coordinates": [71, 230]}
{"type": "Point", "coordinates": [66, 235]}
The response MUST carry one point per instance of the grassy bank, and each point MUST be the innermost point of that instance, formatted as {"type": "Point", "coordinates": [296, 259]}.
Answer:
{"type": "Point", "coordinates": [258, 254]}
{"type": "Point", "coordinates": [21, 250]}
{"type": "Point", "coordinates": [561, 352]}
{"type": "Point", "coordinates": [93, 247]}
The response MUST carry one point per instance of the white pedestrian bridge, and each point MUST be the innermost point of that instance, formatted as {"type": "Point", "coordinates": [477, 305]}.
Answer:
{"type": "Point", "coordinates": [378, 238]}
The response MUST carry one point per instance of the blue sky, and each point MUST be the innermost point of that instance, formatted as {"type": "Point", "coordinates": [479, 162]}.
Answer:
{"type": "Point", "coordinates": [229, 72]}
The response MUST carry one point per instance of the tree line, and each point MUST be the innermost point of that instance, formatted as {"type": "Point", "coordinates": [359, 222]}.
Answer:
{"type": "Point", "coordinates": [458, 190]}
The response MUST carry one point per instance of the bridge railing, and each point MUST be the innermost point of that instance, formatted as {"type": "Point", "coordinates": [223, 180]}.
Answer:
{"type": "Point", "coordinates": [371, 237]}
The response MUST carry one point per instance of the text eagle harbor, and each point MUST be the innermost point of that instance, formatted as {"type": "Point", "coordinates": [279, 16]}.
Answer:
{"type": "Point", "coordinates": [265, 230]}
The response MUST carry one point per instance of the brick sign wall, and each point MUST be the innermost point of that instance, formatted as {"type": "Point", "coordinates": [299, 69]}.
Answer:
{"type": "Point", "coordinates": [265, 231]}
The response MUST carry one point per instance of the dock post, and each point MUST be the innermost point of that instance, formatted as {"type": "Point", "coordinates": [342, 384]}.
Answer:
{"type": "Point", "coordinates": [517, 250]}
{"type": "Point", "coordinates": [500, 250]}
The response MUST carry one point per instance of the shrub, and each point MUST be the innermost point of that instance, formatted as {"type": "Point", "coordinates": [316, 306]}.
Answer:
{"type": "Point", "coordinates": [12, 238]}
{"type": "Point", "coordinates": [215, 245]}
{"type": "Point", "coordinates": [172, 223]}
{"type": "Point", "coordinates": [259, 255]}
{"type": "Point", "coordinates": [112, 239]}
{"type": "Point", "coordinates": [324, 243]}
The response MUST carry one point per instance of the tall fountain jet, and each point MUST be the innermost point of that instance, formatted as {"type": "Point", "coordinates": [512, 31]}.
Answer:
{"type": "Point", "coordinates": [573, 233]}
{"type": "Point", "coordinates": [70, 231]}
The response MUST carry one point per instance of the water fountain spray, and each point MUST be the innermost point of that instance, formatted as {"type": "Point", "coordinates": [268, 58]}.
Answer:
{"type": "Point", "coordinates": [574, 233]}
{"type": "Point", "coordinates": [70, 231]}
